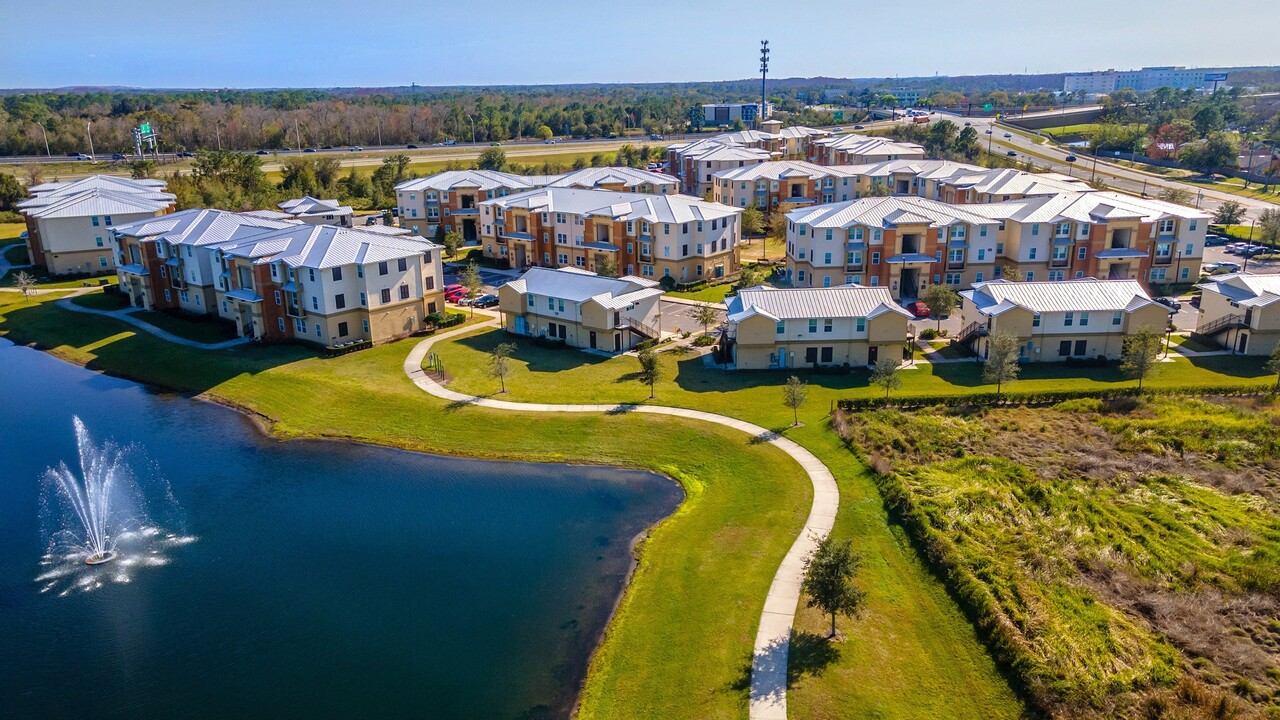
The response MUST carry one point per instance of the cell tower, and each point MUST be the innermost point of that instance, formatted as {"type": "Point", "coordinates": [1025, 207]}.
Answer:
{"type": "Point", "coordinates": [764, 73]}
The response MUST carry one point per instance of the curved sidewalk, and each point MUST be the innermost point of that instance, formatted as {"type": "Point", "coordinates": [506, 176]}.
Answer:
{"type": "Point", "coordinates": [124, 315]}
{"type": "Point", "coordinates": [773, 637]}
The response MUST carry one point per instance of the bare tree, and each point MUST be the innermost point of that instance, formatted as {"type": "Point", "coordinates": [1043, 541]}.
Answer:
{"type": "Point", "coordinates": [499, 366]}
{"type": "Point", "coordinates": [794, 395]}
{"type": "Point", "coordinates": [25, 283]}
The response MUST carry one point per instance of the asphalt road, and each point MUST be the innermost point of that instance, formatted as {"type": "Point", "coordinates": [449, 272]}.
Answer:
{"type": "Point", "coordinates": [1122, 178]}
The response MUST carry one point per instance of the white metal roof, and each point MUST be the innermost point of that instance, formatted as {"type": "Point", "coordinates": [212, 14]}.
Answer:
{"type": "Point", "coordinates": [843, 301]}
{"type": "Point", "coordinates": [326, 246]}
{"type": "Point", "coordinates": [886, 212]}
{"type": "Point", "coordinates": [202, 227]}
{"type": "Point", "coordinates": [1245, 289]}
{"type": "Point", "coordinates": [580, 285]}
{"type": "Point", "coordinates": [781, 169]}
{"type": "Point", "coordinates": [595, 177]}
{"type": "Point", "coordinates": [479, 179]}
{"type": "Point", "coordinates": [104, 182]}
{"type": "Point", "coordinates": [95, 201]}
{"type": "Point", "coordinates": [864, 145]}
{"type": "Point", "coordinates": [307, 205]}
{"type": "Point", "coordinates": [1082, 295]}
{"type": "Point", "coordinates": [618, 205]}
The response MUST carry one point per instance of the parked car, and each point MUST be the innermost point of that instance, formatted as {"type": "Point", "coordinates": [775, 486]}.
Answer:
{"type": "Point", "coordinates": [1236, 248]}
{"type": "Point", "coordinates": [919, 309]}
{"type": "Point", "coordinates": [1008, 135]}
{"type": "Point", "coordinates": [1012, 153]}
{"type": "Point", "coordinates": [988, 131]}
{"type": "Point", "coordinates": [453, 287]}
{"type": "Point", "coordinates": [1229, 266]}
{"type": "Point", "coordinates": [1171, 303]}
{"type": "Point", "coordinates": [485, 301]}
{"type": "Point", "coordinates": [655, 136]}
{"type": "Point", "coordinates": [1253, 250]}
{"type": "Point", "coordinates": [1071, 158]}
{"type": "Point", "coordinates": [1213, 240]}
{"type": "Point", "coordinates": [371, 220]}
{"type": "Point", "coordinates": [456, 297]}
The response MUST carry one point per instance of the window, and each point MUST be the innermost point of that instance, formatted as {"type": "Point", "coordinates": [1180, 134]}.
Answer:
{"type": "Point", "coordinates": [1069, 319]}
{"type": "Point", "coordinates": [826, 258]}
{"type": "Point", "coordinates": [955, 255]}
{"type": "Point", "coordinates": [1064, 229]}
{"type": "Point", "coordinates": [95, 220]}
{"type": "Point", "coordinates": [311, 274]}
{"type": "Point", "coordinates": [382, 268]}
{"type": "Point", "coordinates": [1185, 273]}
{"type": "Point", "coordinates": [1064, 348]}
{"type": "Point", "coordinates": [813, 325]}
{"type": "Point", "coordinates": [1190, 249]}
{"type": "Point", "coordinates": [1056, 274]}
{"type": "Point", "coordinates": [1191, 225]}
{"type": "Point", "coordinates": [800, 276]}
{"type": "Point", "coordinates": [102, 261]}
{"type": "Point", "coordinates": [342, 329]}
{"type": "Point", "coordinates": [999, 248]}
{"type": "Point", "coordinates": [826, 281]}
{"type": "Point", "coordinates": [982, 254]}
{"type": "Point", "coordinates": [1117, 317]}
{"type": "Point", "coordinates": [1035, 320]}
{"type": "Point", "coordinates": [875, 258]}
{"type": "Point", "coordinates": [300, 326]}
{"type": "Point", "coordinates": [1031, 275]}
{"type": "Point", "coordinates": [278, 298]}
{"type": "Point", "coordinates": [860, 324]}
{"type": "Point", "coordinates": [1059, 252]}
{"type": "Point", "coordinates": [402, 264]}
{"type": "Point", "coordinates": [1084, 319]}
{"type": "Point", "coordinates": [404, 291]}
{"type": "Point", "coordinates": [1031, 253]}
{"type": "Point", "coordinates": [826, 354]}
{"type": "Point", "coordinates": [339, 302]}
{"type": "Point", "coordinates": [315, 303]}
{"type": "Point", "coordinates": [977, 277]}
{"type": "Point", "coordinates": [953, 278]}
{"type": "Point", "coordinates": [1080, 347]}
{"type": "Point", "coordinates": [337, 274]}
{"type": "Point", "coordinates": [363, 300]}
{"type": "Point", "coordinates": [1166, 227]}
{"type": "Point", "coordinates": [1158, 274]}
{"type": "Point", "coordinates": [98, 241]}
{"type": "Point", "coordinates": [811, 355]}
{"type": "Point", "coordinates": [386, 295]}
{"type": "Point", "coordinates": [982, 231]}
{"type": "Point", "coordinates": [319, 332]}
{"type": "Point", "coordinates": [280, 324]}
{"type": "Point", "coordinates": [1035, 229]}
{"type": "Point", "coordinates": [781, 327]}
{"type": "Point", "coordinates": [364, 324]}
{"type": "Point", "coordinates": [1082, 253]}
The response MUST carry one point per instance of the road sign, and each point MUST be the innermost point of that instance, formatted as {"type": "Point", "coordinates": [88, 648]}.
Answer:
{"type": "Point", "coordinates": [839, 114]}
{"type": "Point", "coordinates": [145, 128]}
{"type": "Point", "coordinates": [986, 107]}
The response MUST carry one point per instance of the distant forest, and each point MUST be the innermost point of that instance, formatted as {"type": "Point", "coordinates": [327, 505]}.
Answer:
{"type": "Point", "coordinates": [272, 119]}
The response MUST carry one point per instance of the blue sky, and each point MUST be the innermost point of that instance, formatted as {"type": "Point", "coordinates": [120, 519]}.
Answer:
{"type": "Point", "coordinates": [324, 43]}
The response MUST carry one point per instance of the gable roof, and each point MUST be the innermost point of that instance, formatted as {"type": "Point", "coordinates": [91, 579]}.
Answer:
{"type": "Point", "coordinates": [865, 145]}
{"type": "Point", "coordinates": [781, 169]}
{"type": "Point", "coordinates": [802, 303]}
{"type": "Point", "coordinates": [594, 177]}
{"type": "Point", "coordinates": [1246, 289]}
{"type": "Point", "coordinates": [672, 208]}
{"type": "Point", "coordinates": [95, 201]}
{"type": "Point", "coordinates": [201, 227]}
{"type": "Point", "coordinates": [580, 285]}
{"type": "Point", "coordinates": [1083, 295]}
{"type": "Point", "coordinates": [103, 182]}
{"type": "Point", "coordinates": [886, 212]}
{"type": "Point", "coordinates": [307, 205]}
{"type": "Point", "coordinates": [325, 246]}
{"type": "Point", "coordinates": [479, 179]}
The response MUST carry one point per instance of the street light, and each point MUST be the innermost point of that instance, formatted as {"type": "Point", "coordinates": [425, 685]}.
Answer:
{"type": "Point", "coordinates": [473, 129]}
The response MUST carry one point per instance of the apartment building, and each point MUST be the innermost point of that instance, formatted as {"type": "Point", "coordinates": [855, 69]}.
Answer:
{"type": "Point", "coordinates": [582, 309]}
{"type": "Point", "coordinates": [958, 183]}
{"type": "Point", "coordinates": [617, 179]}
{"type": "Point", "coordinates": [860, 150]}
{"type": "Point", "coordinates": [900, 243]}
{"type": "Point", "coordinates": [654, 236]}
{"type": "Point", "coordinates": [317, 212]}
{"type": "Point", "coordinates": [696, 161]}
{"type": "Point", "coordinates": [69, 223]}
{"type": "Point", "coordinates": [1057, 321]}
{"type": "Point", "coordinates": [849, 325]}
{"type": "Point", "coordinates": [329, 285]}
{"type": "Point", "coordinates": [167, 262]}
{"type": "Point", "coordinates": [784, 185]}
{"type": "Point", "coordinates": [1241, 311]}
{"type": "Point", "coordinates": [450, 199]}
{"type": "Point", "coordinates": [1098, 234]}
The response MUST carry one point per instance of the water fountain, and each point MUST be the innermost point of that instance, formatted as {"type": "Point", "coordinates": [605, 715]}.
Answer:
{"type": "Point", "coordinates": [99, 505]}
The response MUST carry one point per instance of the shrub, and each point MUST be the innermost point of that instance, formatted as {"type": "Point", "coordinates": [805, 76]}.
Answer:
{"type": "Point", "coordinates": [928, 334]}
{"type": "Point", "coordinates": [704, 341]}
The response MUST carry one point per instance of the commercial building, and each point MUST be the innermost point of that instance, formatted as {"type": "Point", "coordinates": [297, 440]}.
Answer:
{"type": "Point", "coordinates": [1104, 82]}
{"type": "Point", "coordinates": [729, 113]}
{"type": "Point", "coordinates": [69, 223]}
{"type": "Point", "coordinates": [1057, 321]}
{"type": "Point", "coordinates": [850, 325]}
{"type": "Point", "coordinates": [654, 236]}
{"type": "Point", "coordinates": [903, 244]}
{"type": "Point", "coordinates": [581, 309]}
{"type": "Point", "coordinates": [317, 212]}
{"type": "Point", "coordinates": [1241, 311]}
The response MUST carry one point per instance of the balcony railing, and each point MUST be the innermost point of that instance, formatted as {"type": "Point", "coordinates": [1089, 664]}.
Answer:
{"type": "Point", "coordinates": [1162, 260]}
{"type": "Point", "coordinates": [1060, 262]}
{"type": "Point", "coordinates": [955, 264]}
{"type": "Point", "coordinates": [854, 268]}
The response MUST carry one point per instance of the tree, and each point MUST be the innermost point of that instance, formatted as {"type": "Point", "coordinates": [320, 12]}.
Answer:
{"type": "Point", "coordinates": [1207, 119]}
{"type": "Point", "coordinates": [499, 366]}
{"type": "Point", "coordinates": [777, 228]}
{"type": "Point", "coordinates": [326, 171]}
{"type": "Point", "coordinates": [752, 221]}
{"type": "Point", "coordinates": [1175, 195]}
{"type": "Point", "coordinates": [1001, 365]}
{"type": "Point", "coordinates": [543, 133]}
{"type": "Point", "coordinates": [139, 169]}
{"type": "Point", "coordinates": [794, 394]}
{"type": "Point", "coordinates": [750, 276]}
{"type": "Point", "coordinates": [26, 284]}
{"type": "Point", "coordinates": [967, 143]}
{"type": "Point", "coordinates": [34, 174]}
{"type": "Point", "coordinates": [1141, 353]}
{"type": "Point", "coordinates": [472, 281]}
{"type": "Point", "coordinates": [704, 314]}
{"type": "Point", "coordinates": [879, 188]}
{"type": "Point", "coordinates": [11, 191]}
{"type": "Point", "coordinates": [452, 241]}
{"type": "Point", "coordinates": [942, 137]}
{"type": "Point", "coordinates": [607, 266]}
{"type": "Point", "coordinates": [829, 580]}
{"type": "Point", "coordinates": [1273, 366]}
{"type": "Point", "coordinates": [493, 158]}
{"type": "Point", "coordinates": [1269, 226]}
{"type": "Point", "coordinates": [650, 369]}
{"type": "Point", "coordinates": [941, 301]}
{"type": "Point", "coordinates": [1228, 213]}
{"type": "Point", "coordinates": [886, 373]}
{"type": "Point", "coordinates": [1219, 150]}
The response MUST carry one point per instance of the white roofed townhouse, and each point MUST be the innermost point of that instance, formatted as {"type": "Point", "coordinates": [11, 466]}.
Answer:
{"type": "Point", "coordinates": [317, 212]}
{"type": "Point", "coordinates": [903, 244]}
{"type": "Point", "coordinates": [581, 309]}
{"type": "Point", "coordinates": [695, 161]}
{"type": "Point", "coordinates": [784, 185]}
{"type": "Point", "coordinates": [617, 179]}
{"type": "Point", "coordinates": [69, 223]}
{"type": "Point", "coordinates": [1058, 321]}
{"type": "Point", "coordinates": [652, 236]}
{"type": "Point", "coordinates": [861, 149]}
{"type": "Point", "coordinates": [167, 262]}
{"type": "Point", "coordinates": [328, 285]}
{"type": "Point", "coordinates": [850, 325]}
{"type": "Point", "coordinates": [1241, 311]}
{"type": "Point", "coordinates": [1098, 234]}
{"type": "Point", "coordinates": [958, 183]}
{"type": "Point", "coordinates": [448, 200]}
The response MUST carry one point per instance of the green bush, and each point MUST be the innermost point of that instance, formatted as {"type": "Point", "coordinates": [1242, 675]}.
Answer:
{"type": "Point", "coordinates": [928, 334]}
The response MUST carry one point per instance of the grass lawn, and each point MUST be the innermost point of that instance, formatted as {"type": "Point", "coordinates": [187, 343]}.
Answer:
{"type": "Point", "coordinates": [8, 279]}
{"type": "Point", "coordinates": [714, 294]}
{"type": "Point", "coordinates": [191, 328]}
{"type": "Point", "coordinates": [101, 301]}
{"type": "Point", "coordinates": [1192, 344]}
{"type": "Point", "coordinates": [682, 638]}
{"type": "Point", "coordinates": [11, 231]}
{"type": "Point", "coordinates": [421, 168]}
{"type": "Point", "coordinates": [763, 248]}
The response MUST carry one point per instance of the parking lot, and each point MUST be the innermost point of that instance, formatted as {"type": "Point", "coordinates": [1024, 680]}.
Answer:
{"type": "Point", "coordinates": [1219, 254]}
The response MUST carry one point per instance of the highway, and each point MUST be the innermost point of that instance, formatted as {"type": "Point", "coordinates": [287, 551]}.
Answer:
{"type": "Point", "coordinates": [1048, 155]}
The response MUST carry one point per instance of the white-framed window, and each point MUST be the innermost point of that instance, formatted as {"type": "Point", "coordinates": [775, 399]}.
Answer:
{"type": "Point", "coordinates": [1031, 253]}
{"type": "Point", "coordinates": [1157, 274]}
{"type": "Point", "coordinates": [1117, 317]}
{"type": "Point", "coordinates": [1068, 319]}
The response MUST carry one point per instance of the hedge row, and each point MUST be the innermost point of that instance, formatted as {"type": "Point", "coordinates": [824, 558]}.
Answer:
{"type": "Point", "coordinates": [1048, 397]}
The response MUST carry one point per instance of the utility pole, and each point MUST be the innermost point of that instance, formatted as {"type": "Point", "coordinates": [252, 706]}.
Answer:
{"type": "Point", "coordinates": [217, 132]}
{"type": "Point", "coordinates": [764, 74]}
{"type": "Point", "coordinates": [297, 134]}
{"type": "Point", "coordinates": [379, 131]}
{"type": "Point", "coordinates": [46, 140]}
{"type": "Point", "coordinates": [88, 129]}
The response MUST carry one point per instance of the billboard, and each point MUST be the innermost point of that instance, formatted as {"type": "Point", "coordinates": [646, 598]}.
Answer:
{"type": "Point", "coordinates": [1215, 77]}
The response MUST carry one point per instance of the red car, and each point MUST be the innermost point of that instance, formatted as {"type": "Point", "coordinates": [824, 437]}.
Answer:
{"type": "Point", "coordinates": [454, 296]}
{"type": "Point", "coordinates": [919, 309]}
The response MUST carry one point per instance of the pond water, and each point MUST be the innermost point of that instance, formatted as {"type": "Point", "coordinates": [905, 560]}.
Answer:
{"type": "Point", "coordinates": [299, 579]}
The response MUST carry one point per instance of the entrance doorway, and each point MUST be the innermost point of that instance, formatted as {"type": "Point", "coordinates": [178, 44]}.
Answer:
{"type": "Point", "coordinates": [909, 287]}
{"type": "Point", "coordinates": [1242, 341]}
{"type": "Point", "coordinates": [591, 340]}
{"type": "Point", "coordinates": [469, 230]}
{"type": "Point", "coordinates": [873, 354]}
{"type": "Point", "coordinates": [521, 258]}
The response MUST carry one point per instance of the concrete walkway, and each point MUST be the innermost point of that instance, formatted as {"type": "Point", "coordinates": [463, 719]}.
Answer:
{"type": "Point", "coordinates": [125, 315]}
{"type": "Point", "coordinates": [773, 636]}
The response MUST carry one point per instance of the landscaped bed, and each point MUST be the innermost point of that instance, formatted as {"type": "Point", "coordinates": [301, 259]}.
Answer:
{"type": "Point", "coordinates": [1122, 559]}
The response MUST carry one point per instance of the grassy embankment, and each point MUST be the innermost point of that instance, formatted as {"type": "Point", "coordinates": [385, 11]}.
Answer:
{"type": "Point", "coordinates": [680, 645]}
{"type": "Point", "coordinates": [1133, 572]}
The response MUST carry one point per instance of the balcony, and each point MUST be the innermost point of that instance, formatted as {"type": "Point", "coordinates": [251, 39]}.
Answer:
{"type": "Point", "coordinates": [1162, 260]}
{"type": "Point", "coordinates": [855, 268]}
{"type": "Point", "coordinates": [1060, 262]}
{"type": "Point", "coordinates": [955, 264]}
